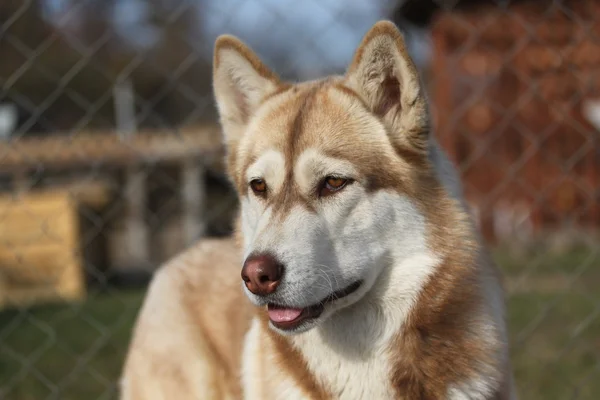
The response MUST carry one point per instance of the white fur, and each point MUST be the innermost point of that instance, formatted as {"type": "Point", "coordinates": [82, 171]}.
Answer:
{"type": "Point", "coordinates": [342, 349]}
{"type": "Point", "coordinates": [253, 387]}
{"type": "Point", "coordinates": [313, 166]}
{"type": "Point", "coordinates": [251, 364]}
{"type": "Point", "coordinates": [254, 221]}
{"type": "Point", "coordinates": [270, 167]}
{"type": "Point", "coordinates": [475, 389]}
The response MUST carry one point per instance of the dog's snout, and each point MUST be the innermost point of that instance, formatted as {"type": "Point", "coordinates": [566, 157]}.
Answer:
{"type": "Point", "coordinates": [262, 274]}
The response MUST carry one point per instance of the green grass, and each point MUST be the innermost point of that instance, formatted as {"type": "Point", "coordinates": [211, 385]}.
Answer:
{"type": "Point", "coordinates": [554, 322]}
{"type": "Point", "coordinates": [76, 352]}
{"type": "Point", "coordinates": [555, 343]}
{"type": "Point", "coordinates": [70, 352]}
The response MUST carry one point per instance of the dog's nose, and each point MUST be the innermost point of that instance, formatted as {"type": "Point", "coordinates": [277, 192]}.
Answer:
{"type": "Point", "coordinates": [262, 274]}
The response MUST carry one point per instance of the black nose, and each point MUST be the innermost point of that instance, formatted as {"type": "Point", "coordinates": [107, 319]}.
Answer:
{"type": "Point", "coordinates": [262, 274]}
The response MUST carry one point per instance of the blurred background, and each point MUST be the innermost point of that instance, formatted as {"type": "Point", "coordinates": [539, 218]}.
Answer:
{"type": "Point", "coordinates": [110, 163]}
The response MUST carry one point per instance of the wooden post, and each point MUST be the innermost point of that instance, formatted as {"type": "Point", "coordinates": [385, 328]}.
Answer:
{"type": "Point", "coordinates": [193, 198]}
{"type": "Point", "coordinates": [124, 103]}
{"type": "Point", "coordinates": [136, 230]}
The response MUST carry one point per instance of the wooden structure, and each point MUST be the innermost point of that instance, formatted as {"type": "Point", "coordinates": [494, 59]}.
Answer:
{"type": "Point", "coordinates": [92, 163]}
{"type": "Point", "coordinates": [39, 248]}
{"type": "Point", "coordinates": [106, 149]}
{"type": "Point", "coordinates": [509, 91]}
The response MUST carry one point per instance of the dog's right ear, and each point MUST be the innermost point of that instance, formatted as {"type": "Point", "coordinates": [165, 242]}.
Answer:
{"type": "Point", "coordinates": [240, 82]}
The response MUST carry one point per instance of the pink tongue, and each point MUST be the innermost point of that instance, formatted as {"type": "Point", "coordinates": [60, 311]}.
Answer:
{"type": "Point", "coordinates": [284, 314]}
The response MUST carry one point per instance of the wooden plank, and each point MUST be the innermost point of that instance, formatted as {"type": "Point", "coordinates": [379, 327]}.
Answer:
{"type": "Point", "coordinates": [69, 150]}
{"type": "Point", "coordinates": [91, 194]}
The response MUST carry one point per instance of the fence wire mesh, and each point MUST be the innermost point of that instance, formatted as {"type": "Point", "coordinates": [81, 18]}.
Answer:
{"type": "Point", "coordinates": [110, 163]}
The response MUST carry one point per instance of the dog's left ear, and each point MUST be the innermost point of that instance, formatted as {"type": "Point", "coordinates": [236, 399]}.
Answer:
{"type": "Point", "coordinates": [385, 76]}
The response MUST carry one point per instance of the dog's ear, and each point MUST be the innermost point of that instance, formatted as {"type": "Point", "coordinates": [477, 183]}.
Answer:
{"type": "Point", "coordinates": [240, 82]}
{"type": "Point", "coordinates": [385, 76]}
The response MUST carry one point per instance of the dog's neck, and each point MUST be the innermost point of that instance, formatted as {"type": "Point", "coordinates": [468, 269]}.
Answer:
{"type": "Point", "coordinates": [349, 352]}
{"type": "Point", "coordinates": [366, 327]}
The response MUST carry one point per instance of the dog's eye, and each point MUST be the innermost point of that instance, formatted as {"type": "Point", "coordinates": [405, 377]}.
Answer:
{"type": "Point", "coordinates": [332, 184]}
{"type": "Point", "coordinates": [258, 186]}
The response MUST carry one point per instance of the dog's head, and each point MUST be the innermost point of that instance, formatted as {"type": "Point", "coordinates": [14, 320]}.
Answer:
{"type": "Point", "coordinates": [327, 174]}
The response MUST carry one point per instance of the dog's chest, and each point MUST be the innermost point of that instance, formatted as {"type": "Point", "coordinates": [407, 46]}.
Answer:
{"type": "Point", "coordinates": [340, 374]}
{"type": "Point", "coordinates": [347, 373]}
{"type": "Point", "coordinates": [352, 379]}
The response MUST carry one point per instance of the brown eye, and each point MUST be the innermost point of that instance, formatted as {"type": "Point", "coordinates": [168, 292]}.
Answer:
{"type": "Point", "coordinates": [258, 186]}
{"type": "Point", "coordinates": [332, 184]}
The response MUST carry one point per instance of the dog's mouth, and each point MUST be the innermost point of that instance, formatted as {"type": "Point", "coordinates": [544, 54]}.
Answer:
{"type": "Point", "coordinates": [288, 318]}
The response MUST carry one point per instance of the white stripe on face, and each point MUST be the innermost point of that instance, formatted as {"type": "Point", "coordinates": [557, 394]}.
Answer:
{"type": "Point", "coordinates": [313, 166]}
{"type": "Point", "coordinates": [270, 167]}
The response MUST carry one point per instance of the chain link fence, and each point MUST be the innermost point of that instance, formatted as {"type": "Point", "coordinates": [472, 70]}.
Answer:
{"type": "Point", "coordinates": [110, 163]}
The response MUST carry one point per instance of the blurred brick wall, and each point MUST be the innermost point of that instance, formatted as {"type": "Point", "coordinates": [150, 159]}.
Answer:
{"type": "Point", "coordinates": [510, 86]}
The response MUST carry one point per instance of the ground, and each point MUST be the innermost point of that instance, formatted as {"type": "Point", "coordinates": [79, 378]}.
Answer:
{"type": "Point", "coordinates": [75, 352]}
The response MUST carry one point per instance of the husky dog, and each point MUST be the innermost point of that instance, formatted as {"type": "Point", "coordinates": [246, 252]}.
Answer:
{"type": "Point", "coordinates": [365, 276]}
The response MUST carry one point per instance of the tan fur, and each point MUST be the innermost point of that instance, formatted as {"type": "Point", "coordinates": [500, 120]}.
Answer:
{"type": "Point", "coordinates": [194, 338]}
{"type": "Point", "coordinates": [176, 332]}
